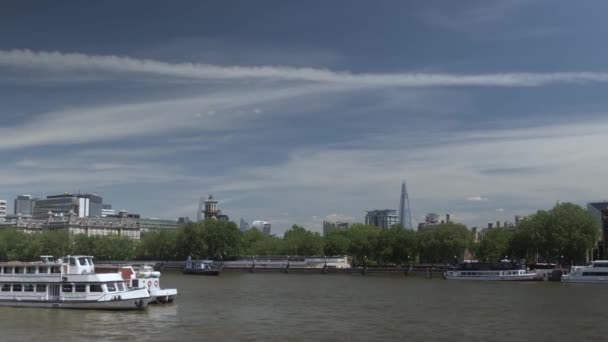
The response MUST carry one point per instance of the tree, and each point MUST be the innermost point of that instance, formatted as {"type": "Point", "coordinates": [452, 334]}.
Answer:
{"type": "Point", "coordinates": [299, 241]}
{"type": "Point", "coordinates": [363, 240]}
{"type": "Point", "coordinates": [564, 233]}
{"type": "Point", "coordinates": [220, 239]}
{"type": "Point", "coordinates": [336, 242]}
{"type": "Point", "coordinates": [396, 245]}
{"type": "Point", "coordinates": [495, 245]}
{"type": "Point", "coordinates": [444, 242]}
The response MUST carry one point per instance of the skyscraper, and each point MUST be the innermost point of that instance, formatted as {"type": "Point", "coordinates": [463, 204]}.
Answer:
{"type": "Point", "coordinates": [24, 205]}
{"type": "Point", "coordinates": [405, 215]}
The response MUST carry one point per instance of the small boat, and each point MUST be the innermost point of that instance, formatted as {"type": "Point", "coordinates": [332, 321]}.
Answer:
{"type": "Point", "coordinates": [144, 277]}
{"type": "Point", "coordinates": [503, 271]}
{"type": "Point", "coordinates": [202, 267]}
{"type": "Point", "coordinates": [597, 272]}
{"type": "Point", "coordinates": [68, 283]}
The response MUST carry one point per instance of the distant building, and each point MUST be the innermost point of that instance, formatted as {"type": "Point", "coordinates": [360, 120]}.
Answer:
{"type": "Point", "coordinates": [263, 226]}
{"type": "Point", "coordinates": [328, 226]}
{"type": "Point", "coordinates": [405, 214]}
{"type": "Point", "coordinates": [3, 208]}
{"type": "Point", "coordinates": [432, 220]}
{"type": "Point", "coordinates": [83, 205]}
{"type": "Point", "coordinates": [595, 210]}
{"type": "Point", "coordinates": [243, 225]}
{"type": "Point", "coordinates": [383, 219]}
{"type": "Point", "coordinates": [211, 211]}
{"type": "Point", "coordinates": [23, 205]}
{"type": "Point", "coordinates": [106, 210]}
{"type": "Point", "coordinates": [184, 219]}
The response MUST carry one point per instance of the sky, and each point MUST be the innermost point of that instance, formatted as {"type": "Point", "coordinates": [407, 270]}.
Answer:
{"type": "Point", "coordinates": [297, 112]}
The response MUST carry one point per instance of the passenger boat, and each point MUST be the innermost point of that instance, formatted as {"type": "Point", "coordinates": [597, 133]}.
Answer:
{"type": "Point", "coordinates": [597, 272]}
{"type": "Point", "coordinates": [504, 271]}
{"type": "Point", "coordinates": [202, 267]}
{"type": "Point", "coordinates": [144, 277]}
{"type": "Point", "coordinates": [69, 282]}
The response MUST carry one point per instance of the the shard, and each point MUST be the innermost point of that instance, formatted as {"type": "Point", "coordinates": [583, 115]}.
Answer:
{"type": "Point", "coordinates": [405, 215]}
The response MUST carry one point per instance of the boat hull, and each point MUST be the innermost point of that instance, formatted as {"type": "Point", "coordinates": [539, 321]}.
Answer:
{"type": "Point", "coordinates": [127, 304]}
{"type": "Point", "coordinates": [589, 281]}
{"type": "Point", "coordinates": [203, 272]}
{"type": "Point", "coordinates": [519, 277]}
{"type": "Point", "coordinates": [163, 296]}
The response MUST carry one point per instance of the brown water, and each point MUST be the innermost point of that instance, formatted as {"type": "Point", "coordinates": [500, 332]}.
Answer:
{"type": "Point", "coordinates": [306, 307]}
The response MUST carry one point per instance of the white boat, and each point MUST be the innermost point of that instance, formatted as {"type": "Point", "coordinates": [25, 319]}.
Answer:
{"type": "Point", "coordinates": [68, 282]}
{"type": "Point", "coordinates": [597, 272]}
{"type": "Point", "coordinates": [143, 277]}
{"type": "Point", "coordinates": [504, 271]}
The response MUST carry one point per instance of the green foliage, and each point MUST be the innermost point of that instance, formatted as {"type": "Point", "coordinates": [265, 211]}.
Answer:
{"type": "Point", "coordinates": [258, 243]}
{"type": "Point", "coordinates": [444, 242]}
{"type": "Point", "coordinates": [495, 245]}
{"type": "Point", "coordinates": [299, 241]}
{"type": "Point", "coordinates": [564, 233]}
{"type": "Point", "coordinates": [363, 240]}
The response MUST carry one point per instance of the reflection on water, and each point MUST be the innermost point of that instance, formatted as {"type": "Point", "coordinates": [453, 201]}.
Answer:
{"type": "Point", "coordinates": [294, 307]}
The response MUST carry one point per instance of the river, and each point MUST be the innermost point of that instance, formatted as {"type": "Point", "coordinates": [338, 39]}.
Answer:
{"type": "Point", "coordinates": [315, 307]}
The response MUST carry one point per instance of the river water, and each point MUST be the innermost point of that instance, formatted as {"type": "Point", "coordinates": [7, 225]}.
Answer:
{"type": "Point", "coordinates": [307, 307]}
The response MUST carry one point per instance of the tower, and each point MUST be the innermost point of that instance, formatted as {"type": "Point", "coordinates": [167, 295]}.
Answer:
{"type": "Point", "coordinates": [405, 215]}
{"type": "Point", "coordinates": [211, 210]}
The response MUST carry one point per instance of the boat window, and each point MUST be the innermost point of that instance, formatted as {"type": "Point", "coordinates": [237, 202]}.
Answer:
{"type": "Point", "coordinates": [90, 260]}
{"type": "Point", "coordinates": [72, 261]}
{"type": "Point", "coordinates": [8, 269]}
{"type": "Point", "coordinates": [40, 288]}
{"type": "Point", "coordinates": [595, 273]}
{"type": "Point", "coordinates": [121, 286]}
{"type": "Point", "coordinates": [19, 270]}
{"type": "Point", "coordinates": [17, 287]}
{"type": "Point", "coordinates": [66, 288]}
{"type": "Point", "coordinates": [55, 269]}
{"type": "Point", "coordinates": [111, 287]}
{"type": "Point", "coordinates": [81, 288]}
{"type": "Point", "coordinates": [82, 261]}
{"type": "Point", "coordinates": [135, 282]}
{"type": "Point", "coordinates": [6, 287]}
{"type": "Point", "coordinates": [31, 269]}
{"type": "Point", "coordinates": [95, 288]}
{"type": "Point", "coordinates": [43, 269]}
{"type": "Point", "coordinates": [28, 287]}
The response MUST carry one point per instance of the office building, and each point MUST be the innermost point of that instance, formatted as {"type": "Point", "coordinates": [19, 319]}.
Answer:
{"type": "Point", "coordinates": [3, 208]}
{"type": "Point", "coordinates": [383, 219]}
{"type": "Point", "coordinates": [328, 226]}
{"type": "Point", "coordinates": [595, 210]}
{"type": "Point", "coordinates": [106, 210]}
{"type": "Point", "coordinates": [263, 226]}
{"type": "Point", "coordinates": [83, 205]}
{"type": "Point", "coordinates": [243, 225]}
{"type": "Point", "coordinates": [23, 205]}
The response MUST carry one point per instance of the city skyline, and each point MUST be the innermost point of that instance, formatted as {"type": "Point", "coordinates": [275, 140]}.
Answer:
{"type": "Point", "coordinates": [299, 114]}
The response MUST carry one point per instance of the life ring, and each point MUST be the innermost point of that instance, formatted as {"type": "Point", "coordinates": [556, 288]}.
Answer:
{"type": "Point", "coordinates": [156, 283]}
{"type": "Point", "coordinates": [149, 283]}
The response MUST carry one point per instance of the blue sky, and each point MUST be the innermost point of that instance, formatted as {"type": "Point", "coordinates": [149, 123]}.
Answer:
{"type": "Point", "coordinates": [296, 112]}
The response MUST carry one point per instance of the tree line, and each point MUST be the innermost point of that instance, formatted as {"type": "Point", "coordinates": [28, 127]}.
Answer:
{"type": "Point", "coordinates": [565, 233]}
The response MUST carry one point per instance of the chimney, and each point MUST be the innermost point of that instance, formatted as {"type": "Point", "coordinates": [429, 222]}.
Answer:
{"type": "Point", "coordinates": [497, 224]}
{"type": "Point", "coordinates": [447, 218]}
{"type": "Point", "coordinates": [490, 224]}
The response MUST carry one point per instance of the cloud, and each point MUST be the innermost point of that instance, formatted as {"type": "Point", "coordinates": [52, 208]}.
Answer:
{"type": "Point", "coordinates": [75, 62]}
{"type": "Point", "coordinates": [500, 210]}
{"type": "Point", "coordinates": [477, 198]}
